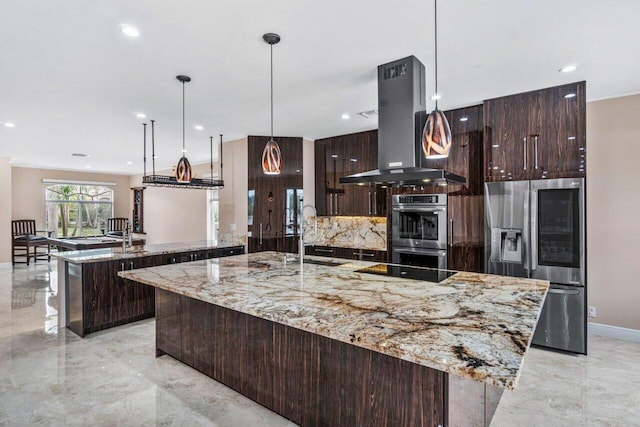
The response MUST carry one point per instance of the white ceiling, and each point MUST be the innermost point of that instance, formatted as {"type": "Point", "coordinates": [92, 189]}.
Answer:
{"type": "Point", "coordinates": [72, 82]}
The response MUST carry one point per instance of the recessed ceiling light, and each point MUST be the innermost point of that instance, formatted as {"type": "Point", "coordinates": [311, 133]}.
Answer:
{"type": "Point", "coordinates": [570, 95]}
{"type": "Point", "coordinates": [345, 116]}
{"type": "Point", "coordinates": [129, 163]}
{"type": "Point", "coordinates": [9, 125]}
{"type": "Point", "coordinates": [464, 119]}
{"type": "Point", "coordinates": [88, 166]}
{"type": "Point", "coordinates": [80, 155]}
{"type": "Point", "coordinates": [129, 30]}
{"type": "Point", "coordinates": [567, 69]}
{"type": "Point", "coordinates": [436, 96]}
{"type": "Point", "coordinates": [141, 115]}
{"type": "Point", "coordinates": [199, 127]}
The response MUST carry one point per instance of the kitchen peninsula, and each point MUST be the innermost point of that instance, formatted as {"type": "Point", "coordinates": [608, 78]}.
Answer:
{"type": "Point", "coordinates": [345, 342]}
{"type": "Point", "coordinates": [91, 295]}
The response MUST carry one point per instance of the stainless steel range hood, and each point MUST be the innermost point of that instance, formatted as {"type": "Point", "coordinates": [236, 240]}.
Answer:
{"type": "Point", "coordinates": [402, 114]}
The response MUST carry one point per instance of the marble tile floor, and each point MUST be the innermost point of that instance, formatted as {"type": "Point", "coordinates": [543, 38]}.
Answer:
{"type": "Point", "coordinates": [52, 377]}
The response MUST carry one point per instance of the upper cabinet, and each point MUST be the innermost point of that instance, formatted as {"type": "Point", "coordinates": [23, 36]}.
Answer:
{"type": "Point", "coordinates": [465, 157]}
{"type": "Point", "coordinates": [536, 135]}
{"type": "Point", "coordinates": [341, 156]}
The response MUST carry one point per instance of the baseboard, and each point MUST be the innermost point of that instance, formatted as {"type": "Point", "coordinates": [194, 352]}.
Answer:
{"type": "Point", "coordinates": [5, 264]}
{"type": "Point", "coordinates": [618, 332]}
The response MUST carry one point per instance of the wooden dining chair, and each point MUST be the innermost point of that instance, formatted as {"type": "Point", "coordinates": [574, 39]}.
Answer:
{"type": "Point", "coordinates": [24, 238]}
{"type": "Point", "coordinates": [116, 226]}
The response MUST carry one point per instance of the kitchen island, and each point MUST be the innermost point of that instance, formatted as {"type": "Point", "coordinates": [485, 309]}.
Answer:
{"type": "Point", "coordinates": [348, 344]}
{"type": "Point", "coordinates": [91, 295]}
{"type": "Point", "coordinates": [90, 242]}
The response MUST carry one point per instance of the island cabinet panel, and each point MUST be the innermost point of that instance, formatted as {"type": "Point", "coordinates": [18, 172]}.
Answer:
{"type": "Point", "coordinates": [536, 135]}
{"type": "Point", "coordinates": [100, 299]}
{"type": "Point", "coordinates": [309, 379]}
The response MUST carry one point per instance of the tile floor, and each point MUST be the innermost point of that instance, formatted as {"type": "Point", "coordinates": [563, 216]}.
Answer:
{"type": "Point", "coordinates": [52, 377]}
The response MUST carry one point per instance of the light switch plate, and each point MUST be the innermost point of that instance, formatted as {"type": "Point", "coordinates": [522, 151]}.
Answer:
{"type": "Point", "coordinates": [591, 311]}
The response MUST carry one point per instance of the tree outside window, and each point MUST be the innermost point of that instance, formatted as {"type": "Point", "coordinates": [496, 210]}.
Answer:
{"type": "Point", "coordinates": [78, 210]}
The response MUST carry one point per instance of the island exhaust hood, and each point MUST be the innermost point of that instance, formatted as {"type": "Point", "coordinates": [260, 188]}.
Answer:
{"type": "Point", "coordinates": [402, 114]}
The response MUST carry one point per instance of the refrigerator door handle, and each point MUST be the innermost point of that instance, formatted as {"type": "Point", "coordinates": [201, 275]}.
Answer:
{"type": "Point", "coordinates": [534, 230]}
{"type": "Point", "coordinates": [526, 234]}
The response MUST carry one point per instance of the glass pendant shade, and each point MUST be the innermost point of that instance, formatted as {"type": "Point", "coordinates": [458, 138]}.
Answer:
{"type": "Point", "coordinates": [183, 170]}
{"type": "Point", "coordinates": [436, 136]}
{"type": "Point", "coordinates": [271, 158]}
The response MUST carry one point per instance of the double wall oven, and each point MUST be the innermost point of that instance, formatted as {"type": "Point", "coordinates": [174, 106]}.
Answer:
{"type": "Point", "coordinates": [419, 230]}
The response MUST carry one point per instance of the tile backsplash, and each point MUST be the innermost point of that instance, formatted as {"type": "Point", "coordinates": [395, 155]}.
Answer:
{"type": "Point", "coordinates": [348, 232]}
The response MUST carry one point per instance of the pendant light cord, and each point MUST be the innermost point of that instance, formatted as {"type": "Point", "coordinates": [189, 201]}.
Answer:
{"type": "Point", "coordinates": [183, 151]}
{"type": "Point", "coordinates": [435, 26]}
{"type": "Point", "coordinates": [271, 91]}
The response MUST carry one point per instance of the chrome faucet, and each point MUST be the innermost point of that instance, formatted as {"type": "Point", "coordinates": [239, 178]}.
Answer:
{"type": "Point", "coordinates": [315, 220]}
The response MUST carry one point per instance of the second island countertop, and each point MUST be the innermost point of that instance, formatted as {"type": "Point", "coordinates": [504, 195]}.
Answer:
{"type": "Point", "coordinates": [471, 325]}
{"type": "Point", "coordinates": [116, 253]}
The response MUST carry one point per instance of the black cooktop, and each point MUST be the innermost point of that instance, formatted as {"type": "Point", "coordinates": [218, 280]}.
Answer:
{"type": "Point", "coordinates": [407, 272]}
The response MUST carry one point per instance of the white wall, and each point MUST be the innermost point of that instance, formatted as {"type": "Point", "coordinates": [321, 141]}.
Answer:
{"type": "Point", "coordinates": [613, 208]}
{"type": "Point", "coordinates": [5, 210]}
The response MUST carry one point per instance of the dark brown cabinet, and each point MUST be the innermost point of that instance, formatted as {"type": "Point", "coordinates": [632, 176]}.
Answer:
{"type": "Point", "coordinates": [348, 253]}
{"type": "Point", "coordinates": [341, 156]}
{"type": "Point", "coordinates": [536, 135]}
{"type": "Point", "coordinates": [100, 299]}
{"type": "Point", "coordinates": [274, 200]}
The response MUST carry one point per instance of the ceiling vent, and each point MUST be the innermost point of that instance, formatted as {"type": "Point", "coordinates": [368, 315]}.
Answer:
{"type": "Point", "coordinates": [79, 155]}
{"type": "Point", "coordinates": [368, 113]}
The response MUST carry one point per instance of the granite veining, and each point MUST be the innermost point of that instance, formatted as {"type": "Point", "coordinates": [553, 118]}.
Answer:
{"type": "Point", "coordinates": [472, 325]}
{"type": "Point", "coordinates": [360, 232]}
{"type": "Point", "coordinates": [109, 254]}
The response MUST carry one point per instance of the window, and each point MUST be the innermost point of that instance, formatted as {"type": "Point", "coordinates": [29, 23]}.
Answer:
{"type": "Point", "coordinates": [213, 215]}
{"type": "Point", "coordinates": [78, 210]}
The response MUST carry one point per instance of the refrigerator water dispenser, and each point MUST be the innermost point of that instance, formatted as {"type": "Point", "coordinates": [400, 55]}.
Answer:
{"type": "Point", "coordinates": [507, 245]}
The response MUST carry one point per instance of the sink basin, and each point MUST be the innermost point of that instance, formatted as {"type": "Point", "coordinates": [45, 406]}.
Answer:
{"type": "Point", "coordinates": [321, 262]}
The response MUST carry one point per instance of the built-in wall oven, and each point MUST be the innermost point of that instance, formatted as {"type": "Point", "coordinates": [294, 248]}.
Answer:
{"type": "Point", "coordinates": [419, 230]}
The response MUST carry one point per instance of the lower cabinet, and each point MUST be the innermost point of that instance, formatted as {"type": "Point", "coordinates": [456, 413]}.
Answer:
{"type": "Point", "coordinates": [349, 253]}
{"type": "Point", "coordinates": [100, 299]}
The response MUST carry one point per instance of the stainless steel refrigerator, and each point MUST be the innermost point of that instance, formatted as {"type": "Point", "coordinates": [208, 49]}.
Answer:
{"type": "Point", "coordinates": [536, 229]}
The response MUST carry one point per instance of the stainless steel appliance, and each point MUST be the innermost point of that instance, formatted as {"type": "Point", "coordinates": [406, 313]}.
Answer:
{"type": "Point", "coordinates": [419, 230]}
{"type": "Point", "coordinates": [536, 229]}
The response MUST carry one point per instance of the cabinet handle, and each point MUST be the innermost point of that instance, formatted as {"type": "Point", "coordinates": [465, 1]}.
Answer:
{"type": "Point", "coordinates": [524, 154]}
{"type": "Point", "coordinates": [330, 204]}
{"type": "Point", "coordinates": [325, 251]}
{"type": "Point", "coordinates": [451, 232]}
{"type": "Point", "coordinates": [260, 233]}
{"type": "Point", "coordinates": [337, 204]}
{"type": "Point", "coordinates": [535, 148]}
{"type": "Point", "coordinates": [375, 202]}
{"type": "Point", "coordinates": [365, 254]}
{"type": "Point", "coordinates": [130, 265]}
{"type": "Point", "coordinates": [369, 199]}
{"type": "Point", "coordinates": [122, 266]}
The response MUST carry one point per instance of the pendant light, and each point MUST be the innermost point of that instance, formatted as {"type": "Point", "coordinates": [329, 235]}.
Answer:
{"type": "Point", "coordinates": [183, 169]}
{"type": "Point", "coordinates": [436, 136]}
{"type": "Point", "coordinates": [271, 155]}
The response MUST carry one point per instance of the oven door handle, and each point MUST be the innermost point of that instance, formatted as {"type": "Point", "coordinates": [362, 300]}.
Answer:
{"type": "Point", "coordinates": [414, 209]}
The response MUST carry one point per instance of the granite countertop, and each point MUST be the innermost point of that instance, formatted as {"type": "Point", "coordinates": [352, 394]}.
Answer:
{"type": "Point", "coordinates": [110, 254]}
{"type": "Point", "coordinates": [471, 325]}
